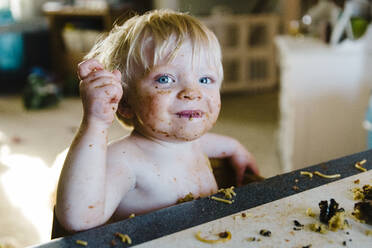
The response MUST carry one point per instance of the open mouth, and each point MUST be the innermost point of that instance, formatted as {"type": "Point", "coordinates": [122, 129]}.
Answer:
{"type": "Point", "coordinates": [190, 114]}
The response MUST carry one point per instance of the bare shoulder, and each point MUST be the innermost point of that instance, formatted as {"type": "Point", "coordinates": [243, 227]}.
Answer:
{"type": "Point", "coordinates": [121, 163]}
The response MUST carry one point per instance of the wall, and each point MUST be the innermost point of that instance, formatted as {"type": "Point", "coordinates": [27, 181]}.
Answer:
{"type": "Point", "coordinates": [197, 7]}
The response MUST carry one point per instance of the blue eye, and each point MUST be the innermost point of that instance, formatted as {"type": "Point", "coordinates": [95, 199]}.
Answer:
{"type": "Point", "coordinates": [205, 80]}
{"type": "Point", "coordinates": [164, 79]}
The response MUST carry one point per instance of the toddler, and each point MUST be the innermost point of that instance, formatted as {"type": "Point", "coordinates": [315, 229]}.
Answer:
{"type": "Point", "coordinates": [161, 74]}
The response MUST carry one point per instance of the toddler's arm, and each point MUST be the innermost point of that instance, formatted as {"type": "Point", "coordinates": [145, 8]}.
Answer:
{"type": "Point", "coordinates": [84, 196]}
{"type": "Point", "coordinates": [219, 146]}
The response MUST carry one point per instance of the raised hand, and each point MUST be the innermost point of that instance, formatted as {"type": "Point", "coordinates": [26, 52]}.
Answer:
{"type": "Point", "coordinates": [100, 91]}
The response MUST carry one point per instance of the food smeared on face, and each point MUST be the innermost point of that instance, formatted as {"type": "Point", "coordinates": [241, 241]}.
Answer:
{"type": "Point", "coordinates": [178, 99]}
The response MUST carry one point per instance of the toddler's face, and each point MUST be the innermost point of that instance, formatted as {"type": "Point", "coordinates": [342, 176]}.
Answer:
{"type": "Point", "coordinates": [177, 100]}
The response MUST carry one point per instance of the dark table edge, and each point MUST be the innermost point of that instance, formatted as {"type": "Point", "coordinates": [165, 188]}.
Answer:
{"type": "Point", "coordinates": [186, 215]}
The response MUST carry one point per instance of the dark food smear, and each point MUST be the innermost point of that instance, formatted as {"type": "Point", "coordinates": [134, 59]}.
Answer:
{"type": "Point", "coordinates": [363, 209]}
{"type": "Point", "coordinates": [328, 211]}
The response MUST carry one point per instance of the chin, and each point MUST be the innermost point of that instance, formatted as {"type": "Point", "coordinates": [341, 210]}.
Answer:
{"type": "Point", "coordinates": [190, 133]}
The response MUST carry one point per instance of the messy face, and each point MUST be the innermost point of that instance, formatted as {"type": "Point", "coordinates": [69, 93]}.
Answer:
{"type": "Point", "coordinates": [178, 99]}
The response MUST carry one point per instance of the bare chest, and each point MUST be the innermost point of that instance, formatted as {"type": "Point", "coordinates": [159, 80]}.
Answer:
{"type": "Point", "coordinates": [163, 183]}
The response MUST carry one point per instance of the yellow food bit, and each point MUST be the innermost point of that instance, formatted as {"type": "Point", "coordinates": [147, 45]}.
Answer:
{"type": "Point", "coordinates": [368, 232]}
{"type": "Point", "coordinates": [338, 222]}
{"type": "Point", "coordinates": [358, 194]}
{"type": "Point", "coordinates": [221, 200]}
{"type": "Point", "coordinates": [309, 212]}
{"type": "Point", "coordinates": [326, 176]}
{"type": "Point", "coordinates": [132, 216]}
{"type": "Point", "coordinates": [358, 165]}
{"type": "Point", "coordinates": [124, 238]}
{"type": "Point", "coordinates": [188, 197]}
{"type": "Point", "coordinates": [306, 173]}
{"type": "Point", "coordinates": [223, 237]}
{"type": "Point", "coordinates": [242, 215]}
{"type": "Point", "coordinates": [320, 228]}
{"type": "Point", "coordinates": [229, 192]}
{"type": "Point", "coordinates": [81, 242]}
{"type": "Point", "coordinates": [357, 216]}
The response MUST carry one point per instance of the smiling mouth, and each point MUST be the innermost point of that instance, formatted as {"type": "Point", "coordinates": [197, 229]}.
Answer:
{"type": "Point", "coordinates": [190, 114]}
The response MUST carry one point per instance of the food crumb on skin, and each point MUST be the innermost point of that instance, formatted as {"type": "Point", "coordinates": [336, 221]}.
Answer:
{"type": "Point", "coordinates": [186, 198]}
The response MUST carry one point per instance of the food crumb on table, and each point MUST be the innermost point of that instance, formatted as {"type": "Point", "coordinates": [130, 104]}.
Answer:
{"type": "Point", "coordinates": [265, 233]}
{"type": "Point", "coordinates": [223, 237]}
{"type": "Point", "coordinates": [81, 242]}
{"type": "Point", "coordinates": [359, 164]}
{"type": "Point", "coordinates": [309, 212]}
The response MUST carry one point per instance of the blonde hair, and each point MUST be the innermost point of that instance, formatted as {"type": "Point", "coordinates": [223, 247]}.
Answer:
{"type": "Point", "coordinates": [124, 48]}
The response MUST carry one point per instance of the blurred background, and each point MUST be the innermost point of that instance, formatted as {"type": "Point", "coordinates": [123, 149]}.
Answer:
{"type": "Point", "coordinates": [296, 89]}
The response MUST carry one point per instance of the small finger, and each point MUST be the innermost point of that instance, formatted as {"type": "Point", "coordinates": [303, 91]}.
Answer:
{"type": "Point", "coordinates": [106, 82]}
{"type": "Point", "coordinates": [101, 74]}
{"type": "Point", "coordinates": [87, 66]}
{"type": "Point", "coordinates": [109, 92]}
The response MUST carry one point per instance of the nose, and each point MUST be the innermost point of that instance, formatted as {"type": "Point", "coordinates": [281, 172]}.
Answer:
{"type": "Point", "coordinates": [189, 94]}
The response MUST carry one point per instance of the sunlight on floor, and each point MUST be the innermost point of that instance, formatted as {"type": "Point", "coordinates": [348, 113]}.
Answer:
{"type": "Point", "coordinates": [29, 186]}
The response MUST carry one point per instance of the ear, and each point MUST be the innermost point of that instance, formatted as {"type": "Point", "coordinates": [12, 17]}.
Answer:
{"type": "Point", "coordinates": [124, 109]}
